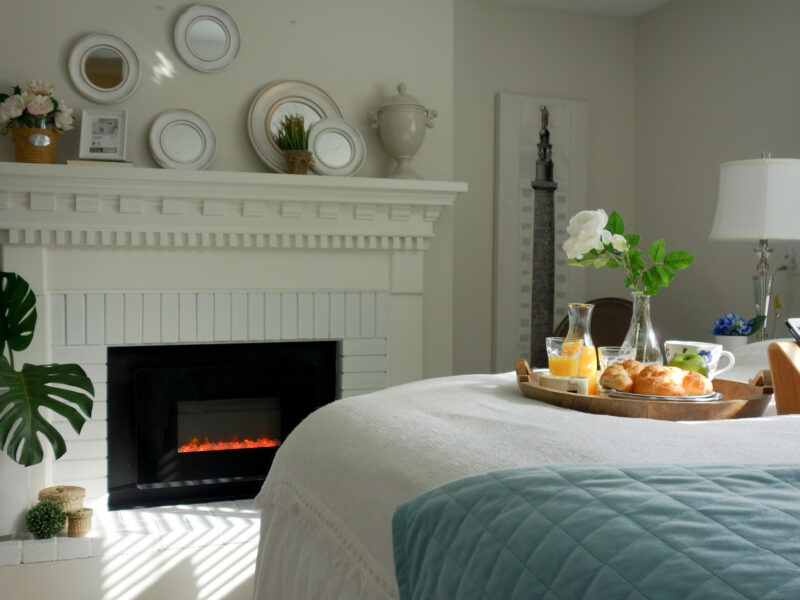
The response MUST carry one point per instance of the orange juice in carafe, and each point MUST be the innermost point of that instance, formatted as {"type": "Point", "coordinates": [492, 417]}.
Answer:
{"type": "Point", "coordinates": [580, 318]}
{"type": "Point", "coordinates": [587, 367]}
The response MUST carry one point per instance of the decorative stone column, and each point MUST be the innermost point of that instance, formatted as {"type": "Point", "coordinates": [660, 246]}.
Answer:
{"type": "Point", "coordinates": [543, 278]}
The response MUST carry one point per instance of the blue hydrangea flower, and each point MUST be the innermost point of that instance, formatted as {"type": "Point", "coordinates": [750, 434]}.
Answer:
{"type": "Point", "coordinates": [732, 324]}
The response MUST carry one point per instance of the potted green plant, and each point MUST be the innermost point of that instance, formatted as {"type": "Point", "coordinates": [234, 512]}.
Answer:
{"type": "Point", "coordinates": [63, 388]}
{"type": "Point", "coordinates": [45, 519]}
{"type": "Point", "coordinates": [292, 139]}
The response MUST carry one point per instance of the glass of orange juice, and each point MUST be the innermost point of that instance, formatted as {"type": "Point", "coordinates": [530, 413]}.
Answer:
{"type": "Point", "coordinates": [563, 356]}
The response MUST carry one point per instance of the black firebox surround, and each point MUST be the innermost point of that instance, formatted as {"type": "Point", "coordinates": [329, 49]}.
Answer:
{"type": "Point", "coordinates": [144, 467]}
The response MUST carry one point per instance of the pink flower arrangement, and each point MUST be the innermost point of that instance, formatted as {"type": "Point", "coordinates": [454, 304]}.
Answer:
{"type": "Point", "coordinates": [33, 105]}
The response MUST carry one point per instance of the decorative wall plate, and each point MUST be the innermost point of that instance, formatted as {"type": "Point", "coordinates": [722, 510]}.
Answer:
{"type": "Point", "coordinates": [182, 139]}
{"type": "Point", "coordinates": [337, 146]}
{"type": "Point", "coordinates": [276, 100]}
{"type": "Point", "coordinates": [206, 38]}
{"type": "Point", "coordinates": [104, 68]}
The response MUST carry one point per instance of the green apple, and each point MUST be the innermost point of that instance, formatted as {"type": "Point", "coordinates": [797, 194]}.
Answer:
{"type": "Point", "coordinates": [690, 362]}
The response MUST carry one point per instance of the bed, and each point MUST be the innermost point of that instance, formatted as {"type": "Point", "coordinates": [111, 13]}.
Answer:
{"type": "Point", "coordinates": [328, 502]}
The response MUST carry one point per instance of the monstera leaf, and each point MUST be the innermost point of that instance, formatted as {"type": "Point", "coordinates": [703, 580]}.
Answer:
{"type": "Point", "coordinates": [23, 394]}
{"type": "Point", "coordinates": [17, 313]}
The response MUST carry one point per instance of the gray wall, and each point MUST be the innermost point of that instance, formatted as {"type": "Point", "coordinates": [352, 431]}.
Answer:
{"type": "Point", "coordinates": [716, 80]}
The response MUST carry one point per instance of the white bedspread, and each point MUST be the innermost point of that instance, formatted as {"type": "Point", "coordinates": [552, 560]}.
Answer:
{"type": "Point", "coordinates": [328, 501]}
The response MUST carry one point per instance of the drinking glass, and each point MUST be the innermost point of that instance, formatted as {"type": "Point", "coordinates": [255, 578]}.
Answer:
{"type": "Point", "coordinates": [563, 356]}
{"type": "Point", "coordinates": [611, 355]}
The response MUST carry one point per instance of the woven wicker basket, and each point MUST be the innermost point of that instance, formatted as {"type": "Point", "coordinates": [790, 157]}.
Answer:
{"type": "Point", "coordinates": [79, 522]}
{"type": "Point", "coordinates": [68, 497]}
{"type": "Point", "coordinates": [298, 161]}
{"type": "Point", "coordinates": [25, 151]}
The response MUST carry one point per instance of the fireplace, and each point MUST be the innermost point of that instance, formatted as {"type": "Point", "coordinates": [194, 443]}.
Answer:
{"type": "Point", "coordinates": [199, 423]}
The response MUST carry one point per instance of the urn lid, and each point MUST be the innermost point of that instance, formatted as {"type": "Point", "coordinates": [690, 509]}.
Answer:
{"type": "Point", "coordinates": [402, 99]}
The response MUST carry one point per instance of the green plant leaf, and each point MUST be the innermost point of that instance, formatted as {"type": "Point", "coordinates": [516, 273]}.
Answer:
{"type": "Point", "coordinates": [633, 240]}
{"type": "Point", "coordinates": [60, 388]}
{"type": "Point", "coordinates": [637, 264]}
{"type": "Point", "coordinates": [657, 251]}
{"type": "Point", "coordinates": [678, 260]}
{"type": "Point", "coordinates": [615, 223]}
{"type": "Point", "coordinates": [17, 312]}
{"type": "Point", "coordinates": [661, 275]}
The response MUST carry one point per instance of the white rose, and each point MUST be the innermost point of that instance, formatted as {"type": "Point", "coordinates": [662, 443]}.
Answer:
{"type": "Point", "coordinates": [11, 108]}
{"type": "Point", "coordinates": [39, 87]}
{"type": "Point", "coordinates": [63, 118]}
{"type": "Point", "coordinates": [619, 242]}
{"type": "Point", "coordinates": [585, 232]}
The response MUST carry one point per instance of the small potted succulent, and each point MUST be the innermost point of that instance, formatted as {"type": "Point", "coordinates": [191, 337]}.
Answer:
{"type": "Point", "coordinates": [292, 139]}
{"type": "Point", "coordinates": [732, 330]}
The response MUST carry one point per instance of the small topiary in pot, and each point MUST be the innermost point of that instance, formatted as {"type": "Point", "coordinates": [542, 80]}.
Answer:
{"type": "Point", "coordinates": [45, 519]}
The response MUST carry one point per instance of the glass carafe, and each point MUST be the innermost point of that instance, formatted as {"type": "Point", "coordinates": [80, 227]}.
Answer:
{"type": "Point", "coordinates": [641, 334]}
{"type": "Point", "coordinates": [580, 320]}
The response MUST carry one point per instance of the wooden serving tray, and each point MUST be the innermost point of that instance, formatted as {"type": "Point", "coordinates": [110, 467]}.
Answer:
{"type": "Point", "coordinates": [739, 400]}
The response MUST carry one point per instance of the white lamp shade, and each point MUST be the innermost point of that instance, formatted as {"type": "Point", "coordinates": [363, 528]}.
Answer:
{"type": "Point", "coordinates": [758, 200]}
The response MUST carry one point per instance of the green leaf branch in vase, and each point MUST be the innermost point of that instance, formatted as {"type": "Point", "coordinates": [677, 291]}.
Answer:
{"type": "Point", "coordinates": [599, 240]}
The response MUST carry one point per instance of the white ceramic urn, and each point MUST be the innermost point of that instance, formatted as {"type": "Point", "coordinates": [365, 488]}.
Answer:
{"type": "Point", "coordinates": [401, 123]}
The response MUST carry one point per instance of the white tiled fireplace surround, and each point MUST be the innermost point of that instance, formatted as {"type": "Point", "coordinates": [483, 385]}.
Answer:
{"type": "Point", "coordinates": [121, 256]}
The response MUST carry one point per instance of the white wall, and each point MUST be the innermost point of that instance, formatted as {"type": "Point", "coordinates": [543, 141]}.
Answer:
{"type": "Point", "coordinates": [342, 47]}
{"type": "Point", "coordinates": [716, 80]}
{"type": "Point", "coordinates": [500, 48]}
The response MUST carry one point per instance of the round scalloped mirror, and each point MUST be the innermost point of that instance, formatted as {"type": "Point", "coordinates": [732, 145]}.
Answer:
{"type": "Point", "coordinates": [206, 38]}
{"type": "Point", "coordinates": [104, 68]}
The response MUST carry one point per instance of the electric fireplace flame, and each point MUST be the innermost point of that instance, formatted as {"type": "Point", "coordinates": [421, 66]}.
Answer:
{"type": "Point", "coordinates": [195, 445]}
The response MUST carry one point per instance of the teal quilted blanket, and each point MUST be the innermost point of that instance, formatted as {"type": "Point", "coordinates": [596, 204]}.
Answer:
{"type": "Point", "coordinates": [604, 531]}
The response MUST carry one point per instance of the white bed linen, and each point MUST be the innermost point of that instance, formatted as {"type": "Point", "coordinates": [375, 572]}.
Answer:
{"type": "Point", "coordinates": [328, 501]}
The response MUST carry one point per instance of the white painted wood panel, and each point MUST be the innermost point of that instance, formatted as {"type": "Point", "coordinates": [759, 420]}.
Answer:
{"type": "Point", "coordinates": [352, 315]}
{"type": "Point", "coordinates": [205, 317]}
{"type": "Point", "coordinates": [272, 316]}
{"type": "Point", "coordinates": [76, 319]}
{"type": "Point", "coordinates": [367, 329]}
{"type": "Point", "coordinates": [222, 317]}
{"type": "Point", "coordinates": [239, 316]}
{"type": "Point", "coordinates": [337, 315]}
{"type": "Point", "coordinates": [58, 323]}
{"type": "Point", "coordinates": [321, 315]}
{"type": "Point", "coordinates": [255, 316]}
{"type": "Point", "coordinates": [188, 318]}
{"type": "Point", "coordinates": [381, 314]}
{"type": "Point", "coordinates": [305, 316]}
{"type": "Point", "coordinates": [133, 318]}
{"type": "Point", "coordinates": [95, 319]}
{"type": "Point", "coordinates": [170, 318]}
{"type": "Point", "coordinates": [151, 318]}
{"type": "Point", "coordinates": [289, 316]}
{"type": "Point", "coordinates": [115, 319]}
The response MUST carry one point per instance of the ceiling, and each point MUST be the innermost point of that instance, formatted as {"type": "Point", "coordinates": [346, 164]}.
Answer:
{"type": "Point", "coordinates": [619, 8]}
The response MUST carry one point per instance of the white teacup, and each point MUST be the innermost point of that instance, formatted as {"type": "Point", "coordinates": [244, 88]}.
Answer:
{"type": "Point", "coordinates": [708, 350]}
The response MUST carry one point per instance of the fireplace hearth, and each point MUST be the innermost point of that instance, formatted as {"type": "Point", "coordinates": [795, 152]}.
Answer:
{"type": "Point", "coordinates": [201, 423]}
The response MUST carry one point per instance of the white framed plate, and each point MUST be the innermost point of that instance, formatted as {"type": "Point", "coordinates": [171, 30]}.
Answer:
{"type": "Point", "coordinates": [182, 139]}
{"type": "Point", "coordinates": [206, 38]}
{"type": "Point", "coordinates": [276, 100]}
{"type": "Point", "coordinates": [630, 395]}
{"type": "Point", "coordinates": [337, 146]}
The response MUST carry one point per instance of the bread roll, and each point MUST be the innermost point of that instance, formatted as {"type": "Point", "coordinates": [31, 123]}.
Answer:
{"type": "Point", "coordinates": [654, 380]}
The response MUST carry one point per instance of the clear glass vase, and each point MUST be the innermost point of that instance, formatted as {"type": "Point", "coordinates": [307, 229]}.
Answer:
{"type": "Point", "coordinates": [580, 321]}
{"type": "Point", "coordinates": [641, 334]}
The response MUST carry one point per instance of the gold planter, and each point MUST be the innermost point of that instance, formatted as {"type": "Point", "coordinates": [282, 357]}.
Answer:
{"type": "Point", "coordinates": [34, 145]}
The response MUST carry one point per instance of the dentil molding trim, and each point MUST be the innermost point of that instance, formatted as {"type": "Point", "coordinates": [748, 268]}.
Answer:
{"type": "Point", "coordinates": [119, 206]}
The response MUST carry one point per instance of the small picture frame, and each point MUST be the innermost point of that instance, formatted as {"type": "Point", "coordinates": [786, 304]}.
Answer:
{"type": "Point", "coordinates": [103, 134]}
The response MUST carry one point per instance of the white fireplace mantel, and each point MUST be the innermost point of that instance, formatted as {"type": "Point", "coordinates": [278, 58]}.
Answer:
{"type": "Point", "coordinates": [118, 206]}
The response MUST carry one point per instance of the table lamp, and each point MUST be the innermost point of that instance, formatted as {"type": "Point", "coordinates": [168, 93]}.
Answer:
{"type": "Point", "coordinates": [759, 200]}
